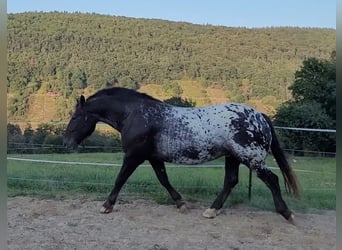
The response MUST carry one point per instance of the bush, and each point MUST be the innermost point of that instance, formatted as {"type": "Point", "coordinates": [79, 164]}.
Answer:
{"type": "Point", "coordinates": [305, 115]}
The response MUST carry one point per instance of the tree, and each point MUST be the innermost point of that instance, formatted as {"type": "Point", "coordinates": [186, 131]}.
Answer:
{"type": "Point", "coordinates": [313, 106]}
{"type": "Point", "coordinates": [67, 53]}
{"type": "Point", "coordinates": [306, 115]}
{"type": "Point", "coordinates": [172, 88]}
{"type": "Point", "coordinates": [14, 138]}
{"type": "Point", "coordinates": [316, 81]}
{"type": "Point", "coordinates": [178, 101]}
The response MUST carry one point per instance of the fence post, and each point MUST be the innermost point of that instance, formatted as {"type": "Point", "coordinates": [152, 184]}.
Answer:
{"type": "Point", "coordinates": [250, 185]}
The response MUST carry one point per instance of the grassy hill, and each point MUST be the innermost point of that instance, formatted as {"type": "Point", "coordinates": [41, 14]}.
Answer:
{"type": "Point", "coordinates": [43, 107]}
{"type": "Point", "coordinates": [66, 54]}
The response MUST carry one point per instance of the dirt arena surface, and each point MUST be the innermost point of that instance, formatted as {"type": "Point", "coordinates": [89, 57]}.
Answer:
{"type": "Point", "coordinates": [142, 224]}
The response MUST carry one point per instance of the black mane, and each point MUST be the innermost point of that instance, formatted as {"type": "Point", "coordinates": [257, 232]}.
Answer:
{"type": "Point", "coordinates": [124, 93]}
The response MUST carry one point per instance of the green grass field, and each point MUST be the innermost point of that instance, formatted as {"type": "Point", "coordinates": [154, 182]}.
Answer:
{"type": "Point", "coordinates": [199, 184]}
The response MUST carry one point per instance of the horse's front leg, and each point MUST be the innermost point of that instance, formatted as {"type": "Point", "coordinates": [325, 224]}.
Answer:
{"type": "Point", "coordinates": [159, 169]}
{"type": "Point", "coordinates": [130, 163]}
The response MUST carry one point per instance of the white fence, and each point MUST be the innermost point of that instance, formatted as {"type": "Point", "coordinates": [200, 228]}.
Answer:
{"type": "Point", "coordinates": [27, 159]}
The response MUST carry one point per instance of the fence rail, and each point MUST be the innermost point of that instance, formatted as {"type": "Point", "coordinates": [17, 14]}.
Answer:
{"type": "Point", "coordinates": [42, 146]}
{"type": "Point", "coordinates": [106, 164]}
{"type": "Point", "coordinates": [307, 129]}
{"type": "Point", "coordinates": [103, 164]}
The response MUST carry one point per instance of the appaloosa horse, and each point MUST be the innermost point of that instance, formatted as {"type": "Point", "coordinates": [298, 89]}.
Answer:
{"type": "Point", "coordinates": [158, 132]}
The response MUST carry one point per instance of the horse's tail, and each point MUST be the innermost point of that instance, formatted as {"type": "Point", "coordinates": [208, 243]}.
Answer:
{"type": "Point", "coordinates": [291, 182]}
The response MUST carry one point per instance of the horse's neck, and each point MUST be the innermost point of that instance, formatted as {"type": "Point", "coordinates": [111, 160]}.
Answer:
{"type": "Point", "coordinates": [114, 112]}
{"type": "Point", "coordinates": [109, 112]}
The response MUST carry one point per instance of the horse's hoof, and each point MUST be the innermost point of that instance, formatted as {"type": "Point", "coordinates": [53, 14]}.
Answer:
{"type": "Point", "coordinates": [105, 210]}
{"type": "Point", "coordinates": [183, 208]}
{"type": "Point", "coordinates": [210, 213]}
{"type": "Point", "coordinates": [291, 219]}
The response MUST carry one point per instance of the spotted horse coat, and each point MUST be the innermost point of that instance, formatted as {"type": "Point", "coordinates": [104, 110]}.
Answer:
{"type": "Point", "coordinates": [197, 135]}
{"type": "Point", "coordinates": [158, 132]}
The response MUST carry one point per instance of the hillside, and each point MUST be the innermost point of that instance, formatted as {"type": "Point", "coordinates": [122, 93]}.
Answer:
{"type": "Point", "coordinates": [68, 54]}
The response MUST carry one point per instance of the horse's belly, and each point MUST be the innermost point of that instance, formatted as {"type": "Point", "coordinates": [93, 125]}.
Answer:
{"type": "Point", "coordinates": [183, 150]}
{"type": "Point", "coordinates": [189, 156]}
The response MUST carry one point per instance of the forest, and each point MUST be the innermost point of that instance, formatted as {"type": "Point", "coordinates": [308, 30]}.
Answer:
{"type": "Point", "coordinates": [70, 53]}
{"type": "Point", "coordinates": [62, 55]}
{"type": "Point", "coordinates": [313, 106]}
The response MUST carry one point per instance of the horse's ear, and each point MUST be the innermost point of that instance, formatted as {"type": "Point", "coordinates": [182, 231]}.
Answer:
{"type": "Point", "coordinates": [81, 101]}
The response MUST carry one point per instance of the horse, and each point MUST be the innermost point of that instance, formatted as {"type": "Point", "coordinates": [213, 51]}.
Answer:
{"type": "Point", "coordinates": [157, 132]}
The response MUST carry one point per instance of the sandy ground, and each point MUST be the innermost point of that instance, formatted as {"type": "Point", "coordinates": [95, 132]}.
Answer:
{"type": "Point", "coordinates": [142, 224]}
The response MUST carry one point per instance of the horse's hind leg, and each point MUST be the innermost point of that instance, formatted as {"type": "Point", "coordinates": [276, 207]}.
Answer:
{"type": "Point", "coordinates": [230, 180]}
{"type": "Point", "coordinates": [159, 169]}
{"type": "Point", "coordinates": [271, 180]}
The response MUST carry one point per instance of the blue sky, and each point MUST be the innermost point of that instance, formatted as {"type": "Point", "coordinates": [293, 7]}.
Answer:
{"type": "Point", "coordinates": [233, 13]}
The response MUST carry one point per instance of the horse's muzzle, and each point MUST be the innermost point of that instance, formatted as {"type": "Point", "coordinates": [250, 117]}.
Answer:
{"type": "Point", "coordinates": [70, 143]}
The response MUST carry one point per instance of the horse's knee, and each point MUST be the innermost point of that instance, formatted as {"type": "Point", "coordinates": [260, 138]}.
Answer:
{"type": "Point", "coordinates": [233, 181]}
{"type": "Point", "coordinates": [269, 178]}
{"type": "Point", "coordinates": [273, 178]}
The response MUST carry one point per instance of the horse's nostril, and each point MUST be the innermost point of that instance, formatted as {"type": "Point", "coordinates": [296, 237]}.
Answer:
{"type": "Point", "coordinates": [65, 142]}
{"type": "Point", "coordinates": [70, 143]}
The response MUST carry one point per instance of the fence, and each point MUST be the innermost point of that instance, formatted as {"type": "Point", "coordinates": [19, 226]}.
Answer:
{"type": "Point", "coordinates": [72, 163]}
{"type": "Point", "coordinates": [44, 161]}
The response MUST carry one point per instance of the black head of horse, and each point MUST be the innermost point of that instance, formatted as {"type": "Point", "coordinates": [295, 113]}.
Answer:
{"type": "Point", "coordinates": [114, 106]}
{"type": "Point", "coordinates": [81, 125]}
{"type": "Point", "coordinates": [157, 132]}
